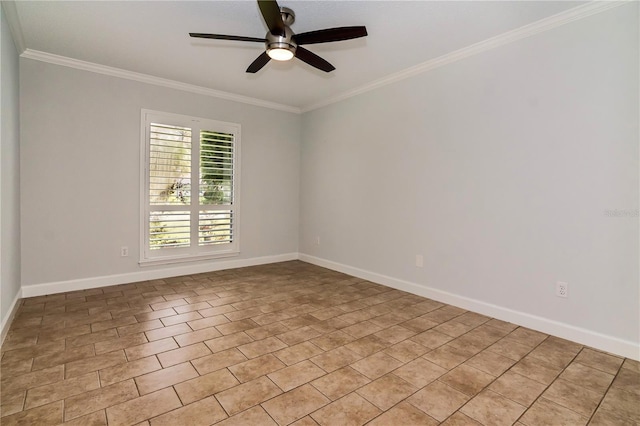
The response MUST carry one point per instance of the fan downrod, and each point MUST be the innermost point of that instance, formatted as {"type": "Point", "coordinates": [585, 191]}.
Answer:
{"type": "Point", "coordinates": [288, 16]}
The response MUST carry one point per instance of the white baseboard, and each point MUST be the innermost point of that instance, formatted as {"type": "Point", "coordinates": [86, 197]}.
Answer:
{"type": "Point", "coordinates": [566, 331]}
{"type": "Point", "coordinates": [175, 271]}
{"type": "Point", "coordinates": [6, 321]}
{"type": "Point", "coordinates": [583, 336]}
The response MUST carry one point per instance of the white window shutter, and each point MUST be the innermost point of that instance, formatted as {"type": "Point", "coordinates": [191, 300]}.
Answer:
{"type": "Point", "coordinates": [190, 188]}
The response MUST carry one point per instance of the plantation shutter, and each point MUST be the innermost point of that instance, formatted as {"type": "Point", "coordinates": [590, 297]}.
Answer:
{"type": "Point", "coordinates": [169, 186]}
{"type": "Point", "coordinates": [216, 187]}
{"type": "Point", "coordinates": [190, 188]}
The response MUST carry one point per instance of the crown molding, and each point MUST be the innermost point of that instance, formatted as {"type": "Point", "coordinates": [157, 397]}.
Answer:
{"type": "Point", "coordinates": [150, 79]}
{"type": "Point", "coordinates": [528, 30]}
{"type": "Point", "coordinates": [537, 27]}
{"type": "Point", "coordinates": [13, 20]}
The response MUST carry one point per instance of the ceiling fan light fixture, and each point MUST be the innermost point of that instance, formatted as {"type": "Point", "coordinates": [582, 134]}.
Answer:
{"type": "Point", "coordinates": [281, 47]}
{"type": "Point", "coordinates": [282, 44]}
{"type": "Point", "coordinates": [280, 54]}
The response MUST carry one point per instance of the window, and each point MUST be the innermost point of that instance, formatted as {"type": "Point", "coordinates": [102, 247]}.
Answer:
{"type": "Point", "coordinates": [190, 188]}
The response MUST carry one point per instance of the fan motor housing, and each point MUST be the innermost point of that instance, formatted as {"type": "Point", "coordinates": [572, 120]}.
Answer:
{"type": "Point", "coordinates": [286, 41]}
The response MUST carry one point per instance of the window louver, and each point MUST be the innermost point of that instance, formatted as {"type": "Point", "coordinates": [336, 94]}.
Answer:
{"type": "Point", "coordinates": [216, 168]}
{"type": "Point", "coordinates": [169, 165]}
{"type": "Point", "coordinates": [169, 229]}
{"type": "Point", "coordinates": [215, 227]}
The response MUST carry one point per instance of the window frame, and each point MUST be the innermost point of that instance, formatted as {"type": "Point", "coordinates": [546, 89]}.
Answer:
{"type": "Point", "coordinates": [195, 251]}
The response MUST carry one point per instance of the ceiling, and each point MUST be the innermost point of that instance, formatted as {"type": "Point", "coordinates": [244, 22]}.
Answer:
{"type": "Point", "coordinates": [151, 37]}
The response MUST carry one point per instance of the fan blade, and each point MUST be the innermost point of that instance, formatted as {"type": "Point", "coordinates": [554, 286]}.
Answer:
{"type": "Point", "coordinates": [271, 14]}
{"type": "Point", "coordinates": [226, 37]}
{"type": "Point", "coordinates": [313, 59]}
{"type": "Point", "coordinates": [330, 34]}
{"type": "Point", "coordinates": [260, 62]}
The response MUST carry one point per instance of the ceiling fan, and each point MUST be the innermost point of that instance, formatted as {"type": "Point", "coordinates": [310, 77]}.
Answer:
{"type": "Point", "coordinates": [282, 44]}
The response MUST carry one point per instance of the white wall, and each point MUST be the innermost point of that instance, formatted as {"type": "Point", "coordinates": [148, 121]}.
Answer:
{"type": "Point", "coordinates": [9, 173]}
{"type": "Point", "coordinates": [498, 169]}
{"type": "Point", "coordinates": [80, 172]}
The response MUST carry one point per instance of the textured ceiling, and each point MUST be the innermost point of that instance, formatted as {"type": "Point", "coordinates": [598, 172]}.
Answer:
{"type": "Point", "coordinates": [151, 37]}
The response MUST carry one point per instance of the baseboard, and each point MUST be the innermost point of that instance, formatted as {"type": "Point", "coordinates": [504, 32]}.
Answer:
{"type": "Point", "coordinates": [566, 331]}
{"type": "Point", "coordinates": [583, 336]}
{"type": "Point", "coordinates": [6, 321]}
{"type": "Point", "coordinates": [176, 271]}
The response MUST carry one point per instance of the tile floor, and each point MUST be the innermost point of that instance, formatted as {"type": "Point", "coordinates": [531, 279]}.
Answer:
{"type": "Point", "coordinates": [292, 343]}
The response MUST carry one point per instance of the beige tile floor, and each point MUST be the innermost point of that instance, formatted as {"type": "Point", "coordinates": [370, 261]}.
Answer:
{"type": "Point", "coordinates": [292, 343]}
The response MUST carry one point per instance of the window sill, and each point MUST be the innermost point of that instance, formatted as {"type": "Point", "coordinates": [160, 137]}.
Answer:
{"type": "Point", "coordinates": [168, 260]}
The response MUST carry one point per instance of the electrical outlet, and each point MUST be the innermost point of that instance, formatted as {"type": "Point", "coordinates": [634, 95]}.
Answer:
{"type": "Point", "coordinates": [318, 240]}
{"type": "Point", "coordinates": [124, 251]}
{"type": "Point", "coordinates": [419, 261]}
{"type": "Point", "coordinates": [562, 289]}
